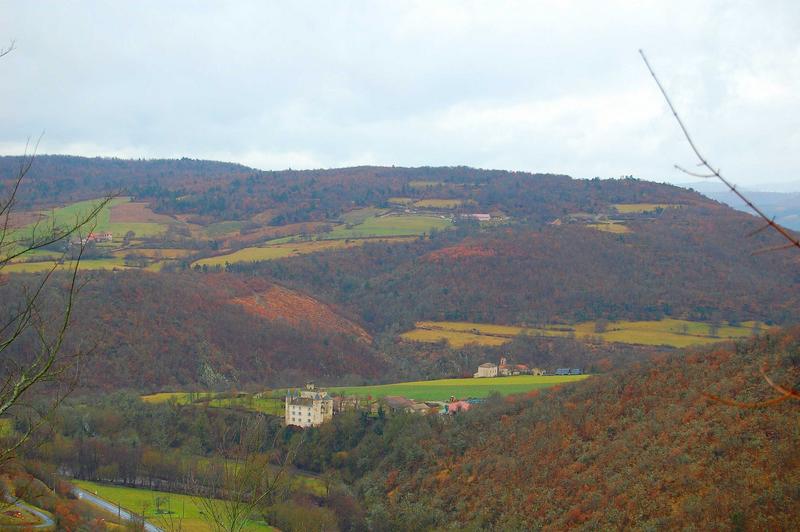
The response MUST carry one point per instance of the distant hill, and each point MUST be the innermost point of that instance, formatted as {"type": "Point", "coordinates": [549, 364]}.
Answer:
{"type": "Point", "coordinates": [511, 248]}
{"type": "Point", "coordinates": [783, 205]}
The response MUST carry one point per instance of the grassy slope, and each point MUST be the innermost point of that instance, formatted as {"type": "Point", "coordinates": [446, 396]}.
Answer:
{"type": "Point", "coordinates": [69, 214]}
{"type": "Point", "coordinates": [389, 226]}
{"type": "Point", "coordinates": [441, 390]}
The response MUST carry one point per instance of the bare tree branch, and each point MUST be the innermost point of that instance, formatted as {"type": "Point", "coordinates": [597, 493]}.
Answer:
{"type": "Point", "coordinates": [714, 172]}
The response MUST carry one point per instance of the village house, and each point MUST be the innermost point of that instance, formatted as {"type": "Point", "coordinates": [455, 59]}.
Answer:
{"type": "Point", "coordinates": [454, 407]}
{"type": "Point", "coordinates": [486, 369]}
{"type": "Point", "coordinates": [105, 236]}
{"type": "Point", "coordinates": [308, 408]}
{"type": "Point", "coordinates": [505, 369]}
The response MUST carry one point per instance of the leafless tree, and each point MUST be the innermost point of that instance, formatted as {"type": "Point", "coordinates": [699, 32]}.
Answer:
{"type": "Point", "coordinates": [712, 172]}
{"type": "Point", "coordinates": [31, 310]}
{"type": "Point", "coordinates": [246, 481]}
{"type": "Point", "coordinates": [34, 310]}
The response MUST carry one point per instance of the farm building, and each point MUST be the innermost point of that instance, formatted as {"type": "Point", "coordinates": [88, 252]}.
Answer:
{"type": "Point", "coordinates": [481, 217]}
{"type": "Point", "coordinates": [395, 403]}
{"type": "Point", "coordinates": [105, 236]}
{"type": "Point", "coordinates": [308, 408]}
{"type": "Point", "coordinates": [486, 369]}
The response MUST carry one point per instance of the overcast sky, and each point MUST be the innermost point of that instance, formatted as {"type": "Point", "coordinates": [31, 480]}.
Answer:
{"type": "Point", "coordinates": [538, 86]}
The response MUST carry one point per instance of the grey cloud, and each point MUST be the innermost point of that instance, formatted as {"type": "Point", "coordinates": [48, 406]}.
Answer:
{"type": "Point", "coordinates": [541, 86]}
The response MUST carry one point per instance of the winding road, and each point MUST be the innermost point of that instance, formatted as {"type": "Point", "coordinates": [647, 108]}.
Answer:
{"type": "Point", "coordinates": [47, 521]}
{"type": "Point", "coordinates": [111, 507]}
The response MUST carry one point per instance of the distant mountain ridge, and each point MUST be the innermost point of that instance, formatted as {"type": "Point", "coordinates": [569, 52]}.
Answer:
{"type": "Point", "coordinates": [550, 250]}
{"type": "Point", "coordinates": [783, 205]}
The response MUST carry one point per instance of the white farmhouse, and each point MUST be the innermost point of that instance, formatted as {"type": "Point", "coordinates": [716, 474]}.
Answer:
{"type": "Point", "coordinates": [486, 370]}
{"type": "Point", "coordinates": [309, 407]}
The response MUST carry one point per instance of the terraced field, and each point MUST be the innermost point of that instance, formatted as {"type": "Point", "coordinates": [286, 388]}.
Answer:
{"type": "Point", "coordinates": [389, 228]}
{"type": "Point", "coordinates": [640, 208]}
{"type": "Point", "coordinates": [443, 389]}
{"type": "Point", "coordinates": [670, 332]}
{"type": "Point", "coordinates": [277, 251]}
{"type": "Point", "coordinates": [67, 215]}
{"type": "Point", "coordinates": [610, 227]}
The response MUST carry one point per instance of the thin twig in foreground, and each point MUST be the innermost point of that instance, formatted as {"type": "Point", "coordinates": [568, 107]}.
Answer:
{"type": "Point", "coordinates": [714, 172]}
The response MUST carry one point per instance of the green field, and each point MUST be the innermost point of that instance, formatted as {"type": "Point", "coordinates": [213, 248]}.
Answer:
{"type": "Point", "coordinates": [392, 225]}
{"type": "Point", "coordinates": [669, 332]}
{"type": "Point", "coordinates": [86, 264]}
{"type": "Point", "coordinates": [443, 389]}
{"type": "Point", "coordinates": [267, 403]}
{"type": "Point", "coordinates": [440, 203]}
{"type": "Point", "coordinates": [66, 216]}
{"type": "Point", "coordinates": [181, 508]}
{"type": "Point", "coordinates": [276, 251]}
{"type": "Point", "coordinates": [358, 216]}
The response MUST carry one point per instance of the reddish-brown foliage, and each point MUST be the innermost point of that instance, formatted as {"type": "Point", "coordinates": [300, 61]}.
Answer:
{"type": "Point", "coordinates": [279, 303]}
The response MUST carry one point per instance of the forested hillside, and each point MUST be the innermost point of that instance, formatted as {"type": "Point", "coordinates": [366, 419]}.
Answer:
{"type": "Point", "coordinates": [215, 283]}
{"type": "Point", "coordinates": [690, 262]}
{"type": "Point", "coordinates": [640, 446]}
{"type": "Point", "coordinates": [146, 331]}
{"type": "Point", "coordinates": [226, 191]}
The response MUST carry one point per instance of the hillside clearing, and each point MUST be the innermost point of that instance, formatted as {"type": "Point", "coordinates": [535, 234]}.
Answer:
{"type": "Point", "coordinates": [282, 250]}
{"type": "Point", "coordinates": [668, 331]}
{"type": "Point", "coordinates": [300, 310]}
{"type": "Point", "coordinates": [391, 225]}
